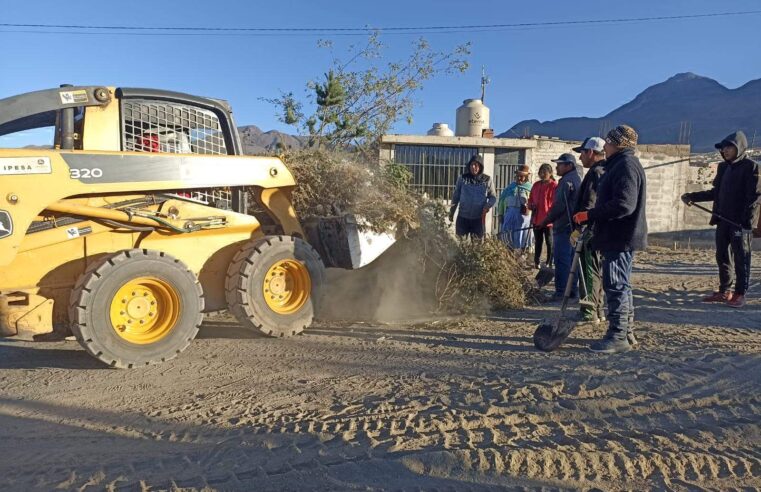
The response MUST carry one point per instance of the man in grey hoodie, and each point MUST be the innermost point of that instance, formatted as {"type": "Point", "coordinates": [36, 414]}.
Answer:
{"type": "Point", "coordinates": [474, 193]}
{"type": "Point", "coordinates": [560, 218]}
{"type": "Point", "coordinates": [736, 196]}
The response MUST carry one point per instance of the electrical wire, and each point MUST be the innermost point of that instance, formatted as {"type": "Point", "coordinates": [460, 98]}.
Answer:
{"type": "Point", "coordinates": [346, 31]}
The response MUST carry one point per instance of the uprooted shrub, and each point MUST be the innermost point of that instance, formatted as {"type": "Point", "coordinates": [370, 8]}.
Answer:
{"type": "Point", "coordinates": [471, 275]}
{"type": "Point", "coordinates": [333, 184]}
{"type": "Point", "coordinates": [463, 276]}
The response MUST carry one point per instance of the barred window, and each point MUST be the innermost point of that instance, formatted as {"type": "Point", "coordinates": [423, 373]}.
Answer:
{"type": "Point", "coordinates": [434, 169]}
{"type": "Point", "coordinates": [506, 162]}
{"type": "Point", "coordinates": [158, 126]}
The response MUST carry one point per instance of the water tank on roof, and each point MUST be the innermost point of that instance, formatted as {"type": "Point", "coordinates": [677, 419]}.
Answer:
{"type": "Point", "coordinates": [441, 130]}
{"type": "Point", "coordinates": [472, 118]}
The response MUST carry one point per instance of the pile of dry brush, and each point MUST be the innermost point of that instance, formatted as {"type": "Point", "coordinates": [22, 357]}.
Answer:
{"type": "Point", "coordinates": [464, 276]}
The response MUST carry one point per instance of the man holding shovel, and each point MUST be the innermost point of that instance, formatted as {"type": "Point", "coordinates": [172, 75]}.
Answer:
{"type": "Point", "coordinates": [620, 229]}
{"type": "Point", "coordinates": [593, 158]}
{"type": "Point", "coordinates": [560, 218]}
{"type": "Point", "coordinates": [736, 196]}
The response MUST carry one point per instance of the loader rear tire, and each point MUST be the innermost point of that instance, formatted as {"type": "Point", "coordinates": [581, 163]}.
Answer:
{"type": "Point", "coordinates": [135, 308]}
{"type": "Point", "coordinates": [273, 285]}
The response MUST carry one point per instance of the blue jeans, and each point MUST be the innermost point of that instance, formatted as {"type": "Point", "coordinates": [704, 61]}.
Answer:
{"type": "Point", "coordinates": [563, 256]}
{"type": "Point", "coordinates": [616, 275]}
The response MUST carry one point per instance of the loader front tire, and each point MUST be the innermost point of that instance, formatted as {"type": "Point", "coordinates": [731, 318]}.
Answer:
{"type": "Point", "coordinates": [273, 285]}
{"type": "Point", "coordinates": [135, 308]}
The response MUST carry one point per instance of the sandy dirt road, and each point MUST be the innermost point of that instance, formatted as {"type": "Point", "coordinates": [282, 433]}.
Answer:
{"type": "Point", "coordinates": [456, 404]}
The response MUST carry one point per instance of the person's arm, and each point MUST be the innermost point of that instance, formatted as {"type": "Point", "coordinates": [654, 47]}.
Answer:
{"type": "Point", "coordinates": [585, 190]}
{"type": "Point", "coordinates": [752, 197]}
{"type": "Point", "coordinates": [624, 199]}
{"type": "Point", "coordinates": [707, 195]}
{"type": "Point", "coordinates": [532, 196]}
{"type": "Point", "coordinates": [501, 206]}
{"type": "Point", "coordinates": [455, 198]}
{"type": "Point", "coordinates": [558, 203]}
{"type": "Point", "coordinates": [491, 197]}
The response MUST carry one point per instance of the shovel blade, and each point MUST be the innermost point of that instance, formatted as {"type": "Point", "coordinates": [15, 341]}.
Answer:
{"type": "Point", "coordinates": [544, 276]}
{"type": "Point", "coordinates": [550, 336]}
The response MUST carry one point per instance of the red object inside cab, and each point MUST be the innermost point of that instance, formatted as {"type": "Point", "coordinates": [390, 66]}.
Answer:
{"type": "Point", "coordinates": [149, 142]}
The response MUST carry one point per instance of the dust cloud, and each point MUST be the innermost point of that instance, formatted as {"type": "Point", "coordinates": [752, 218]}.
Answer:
{"type": "Point", "coordinates": [397, 286]}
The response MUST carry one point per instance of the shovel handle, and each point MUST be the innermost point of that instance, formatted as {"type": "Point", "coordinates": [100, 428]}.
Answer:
{"type": "Point", "coordinates": [705, 209]}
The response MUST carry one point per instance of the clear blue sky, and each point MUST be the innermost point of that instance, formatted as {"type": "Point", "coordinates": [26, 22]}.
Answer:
{"type": "Point", "coordinates": [541, 73]}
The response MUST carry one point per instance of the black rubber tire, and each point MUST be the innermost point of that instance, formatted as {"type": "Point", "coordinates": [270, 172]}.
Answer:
{"type": "Point", "coordinates": [245, 276]}
{"type": "Point", "coordinates": [91, 297]}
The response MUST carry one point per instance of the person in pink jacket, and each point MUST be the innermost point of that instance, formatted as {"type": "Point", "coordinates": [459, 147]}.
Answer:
{"type": "Point", "coordinates": [540, 202]}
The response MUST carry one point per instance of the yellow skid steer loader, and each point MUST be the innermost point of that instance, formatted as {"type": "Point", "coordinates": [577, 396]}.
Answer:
{"type": "Point", "coordinates": [141, 216]}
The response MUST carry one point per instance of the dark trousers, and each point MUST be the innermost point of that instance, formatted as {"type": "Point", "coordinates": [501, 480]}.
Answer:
{"type": "Point", "coordinates": [564, 254]}
{"type": "Point", "coordinates": [469, 227]}
{"type": "Point", "coordinates": [591, 264]}
{"type": "Point", "coordinates": [733, 250]}
{"type": "Point", "coordinates": [616, 275]}
{"type": "Point", "coordinates": [542, 234]}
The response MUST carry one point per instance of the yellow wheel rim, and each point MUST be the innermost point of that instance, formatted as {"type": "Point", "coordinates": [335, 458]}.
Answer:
{"type": "Point", "coordinates": [287, 286]}
{"type": "Point", "coordinates": [145, 310]}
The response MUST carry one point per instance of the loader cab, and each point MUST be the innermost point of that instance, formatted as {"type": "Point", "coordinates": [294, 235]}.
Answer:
{"type": "Point", "coordinates": [123, 120]}
{"type": "Point", "coordinates": [170, 122]}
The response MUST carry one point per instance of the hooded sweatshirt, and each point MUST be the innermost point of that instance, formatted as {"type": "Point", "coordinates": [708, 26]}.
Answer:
{"type": "Point", "coordinates": [473, 194]}
{"type": "Point", "coordinates": [736, 191]}
{"type": "Point", "coordinates": [565, 194]}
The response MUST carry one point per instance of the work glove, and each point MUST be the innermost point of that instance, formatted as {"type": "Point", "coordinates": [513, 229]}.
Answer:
{"type": "Point", "coordinates": [451, 214]}
{"type": "Point", "coordinates": [575, 235]}
{"type": "Point", "coordinates": [686, 199]}
{"type": "Point", "coordinates": [581, 217]}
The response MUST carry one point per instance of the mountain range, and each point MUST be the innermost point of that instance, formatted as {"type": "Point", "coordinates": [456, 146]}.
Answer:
{"type": "Point", "coordinates": [687, 108]}
{"type": "Point", "coordinates": [258, 142]}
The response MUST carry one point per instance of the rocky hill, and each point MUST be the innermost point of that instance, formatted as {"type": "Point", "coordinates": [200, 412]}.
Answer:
{"type": "Point", "coordinates": [257, 142]}
{"type": "Point", "coordinates": [684, 108]}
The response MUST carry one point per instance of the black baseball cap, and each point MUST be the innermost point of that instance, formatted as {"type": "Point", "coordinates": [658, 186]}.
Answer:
{"type": "Point", "coordinates": [566, 158]}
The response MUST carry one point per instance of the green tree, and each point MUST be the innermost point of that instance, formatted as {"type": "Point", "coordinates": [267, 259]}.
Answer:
{"type": "Point", "coordinates": [360, 97]}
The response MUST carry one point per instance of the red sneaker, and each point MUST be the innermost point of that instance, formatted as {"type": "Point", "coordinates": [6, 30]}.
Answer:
{"type": "Point", "coordinates": [737, 301]}
{"type": "Point", "coordinates": [718, 297]}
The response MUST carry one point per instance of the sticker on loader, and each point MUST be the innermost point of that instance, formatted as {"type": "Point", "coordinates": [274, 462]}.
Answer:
{"type": "Point", "coordinates": [25, 165]}
{"type": "Point", "coordinates": [75, 232]}
{"type": "Point", "coordinates": [71, 97]}
{"type": "Point", "coordinates": [6, 224]}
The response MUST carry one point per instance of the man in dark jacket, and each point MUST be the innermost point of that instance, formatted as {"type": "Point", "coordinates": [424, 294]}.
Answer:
{"type": "Point", "coordinates": [620, 229]}
{"type": "Point", "coordinates": [593, 159]}
{"type": "Point", "coordinates": [474, 193]}
{"type": "Point", "coordinates": [736, 196]}
{"type": "Point", "coordinates": [560, 218]}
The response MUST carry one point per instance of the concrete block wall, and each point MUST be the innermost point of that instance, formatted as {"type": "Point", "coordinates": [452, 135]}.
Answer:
{"type": "Point", "coordinates": [545, 151]}
{"type": "Point", "coordinates": [667, 174]}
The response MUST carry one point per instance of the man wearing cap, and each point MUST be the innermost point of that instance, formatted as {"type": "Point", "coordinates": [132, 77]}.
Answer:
{"type": "Point", "coordinates": [620, 229]}
{"type": "Point", "coordinates": [560, 218]}
{"type": "Point", "coordinates": [593, 158]}
{"type": "Point", "coordinates": [512, 210]}
{"type": "Point", "coordinates": [474, 194]}
{"type": "Point", "coordinates": [736, 195]}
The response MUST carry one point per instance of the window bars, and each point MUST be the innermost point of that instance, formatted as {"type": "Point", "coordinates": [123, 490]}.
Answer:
{"type": "Point", "coordinates": [434, 169]}
{"type": "Point", "coordinates": [167, 127]}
